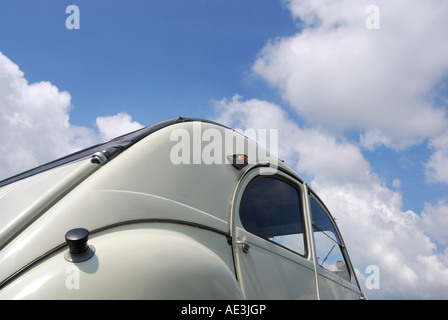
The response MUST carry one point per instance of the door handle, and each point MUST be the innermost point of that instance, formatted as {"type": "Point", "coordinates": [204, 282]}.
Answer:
{"type": "Point", "coordinates": [244, 245]}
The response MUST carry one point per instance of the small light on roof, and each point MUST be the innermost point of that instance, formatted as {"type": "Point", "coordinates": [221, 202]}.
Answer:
{"type": "Point", "coordinates": [239, 161]}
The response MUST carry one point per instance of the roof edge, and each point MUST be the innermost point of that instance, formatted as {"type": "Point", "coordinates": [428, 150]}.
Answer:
{"type": "Point", "coordinates": [110, 148]}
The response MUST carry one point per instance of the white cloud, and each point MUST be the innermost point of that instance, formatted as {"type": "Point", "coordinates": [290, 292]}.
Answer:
{"type": "Point", "coordinates": [435, 221]}
{"type": "Point", "coordinates": [339, 74]}
{"type": "Point", "coordinates": [379, 232]}
{"type": "Point", "coordinates": [341, 77]}
{"type": "Point", "coordinates": [34, 122]}
{"type": "Point", "coordinates": [374, 225]}
{"type": "Point", "coordinates": [341, 160]}
{"type": "Point", "coordinates": [396, 183]}
{"type": "Point", "coordinates": [437, 166]}
{"type": "Point", "coordinates": [116, 125]}
{"type": "Point", "coordinates": [35, 125]}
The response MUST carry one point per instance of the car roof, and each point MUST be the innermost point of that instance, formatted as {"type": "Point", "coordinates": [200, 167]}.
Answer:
{"type": "Point", "coordinates": [109, 148]}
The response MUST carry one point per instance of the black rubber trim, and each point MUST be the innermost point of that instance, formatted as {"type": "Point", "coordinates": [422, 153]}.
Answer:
{"type": "Point", "coordinates": [110, 226]}
{"type": "Point", "coordinates": [109, 148]}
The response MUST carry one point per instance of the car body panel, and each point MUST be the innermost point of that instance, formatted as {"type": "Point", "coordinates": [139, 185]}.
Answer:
{"type": "Point", "coordinates": [169, 261]}
{"type": "Point", "coordinates": [140, 207]}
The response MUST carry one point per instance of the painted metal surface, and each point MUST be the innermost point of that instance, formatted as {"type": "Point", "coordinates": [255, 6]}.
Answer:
{"type": "Point", "coordinates": [161, 230]}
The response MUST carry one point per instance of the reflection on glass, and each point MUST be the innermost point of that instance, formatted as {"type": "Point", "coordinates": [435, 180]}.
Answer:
{"type": "Point", "coordinates": [271, 208]}
{"type": "Point", "coordinates": [327, 243]}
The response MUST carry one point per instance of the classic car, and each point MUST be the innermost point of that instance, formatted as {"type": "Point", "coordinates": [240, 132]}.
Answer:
{"type": "Point", "coordinates": [183, 209]}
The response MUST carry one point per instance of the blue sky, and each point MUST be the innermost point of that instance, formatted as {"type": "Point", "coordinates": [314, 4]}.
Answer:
{"type": "Point", "coordinates": [361, 113]}
{"type": "Point", "coordinates": [134, 56]}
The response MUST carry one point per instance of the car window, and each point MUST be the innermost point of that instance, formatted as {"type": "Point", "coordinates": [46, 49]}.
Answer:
{"type": "Point", "coordinates": [271, 208]}
{"type": "Point", "coordinates": [328, 245]}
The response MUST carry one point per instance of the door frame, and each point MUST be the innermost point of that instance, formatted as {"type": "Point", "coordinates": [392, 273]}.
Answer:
{"type": "Point", "coordinates": [351, 287]}
{"type": "Point", "coordinates": [239, 234]}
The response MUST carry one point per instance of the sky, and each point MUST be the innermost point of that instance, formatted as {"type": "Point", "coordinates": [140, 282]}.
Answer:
{"type": "Point", "coordinates": [358, 91]}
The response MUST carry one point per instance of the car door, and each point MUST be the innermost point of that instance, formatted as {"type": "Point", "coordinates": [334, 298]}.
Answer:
{"type": "Point", "coordinates": [271, 246]}
{"type": "Point", "coordinates": [336, 278]}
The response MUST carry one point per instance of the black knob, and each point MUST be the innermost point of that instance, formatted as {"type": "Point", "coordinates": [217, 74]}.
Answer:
{"type": "Point", "coordinates": [77, 240]}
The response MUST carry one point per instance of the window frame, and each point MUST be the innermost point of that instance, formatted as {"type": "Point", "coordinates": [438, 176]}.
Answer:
{"type": "Point", "coordinates": [340, 241]}
{"type": "Point", "coordinates": [285, 178]}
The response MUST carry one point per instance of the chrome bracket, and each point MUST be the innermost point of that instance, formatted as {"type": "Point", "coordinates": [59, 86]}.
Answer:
{"type": "Point", "coordinates": [245, 246]}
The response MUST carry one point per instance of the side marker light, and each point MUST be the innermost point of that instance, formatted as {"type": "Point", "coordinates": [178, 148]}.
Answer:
{"type": "Point", "coordinates": [239, 161]}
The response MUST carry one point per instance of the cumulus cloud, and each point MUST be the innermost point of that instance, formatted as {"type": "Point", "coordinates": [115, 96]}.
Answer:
{"type": "Point", "coordinates": [338, 73]}
{"type": "Point", "coordinates": [304, 146]}
{"type": "Point", "coordinates": [435, 221]}
{"type": "Point", "coordinates": [384, 84]}
{"type": "Point", "coordinates": [379, 232]}
{"type": "Point", "coordinates": [112, 126]}
{"type": "Point", "coordinates": [35, 124]}
{"type": "Point", "coordinates": [376, 229]}
{"type": "Point", "coordinates": [436, 167]}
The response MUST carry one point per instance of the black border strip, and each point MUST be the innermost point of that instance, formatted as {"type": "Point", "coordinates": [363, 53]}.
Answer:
{"type": "Point", "coordinates": [110, 226]}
